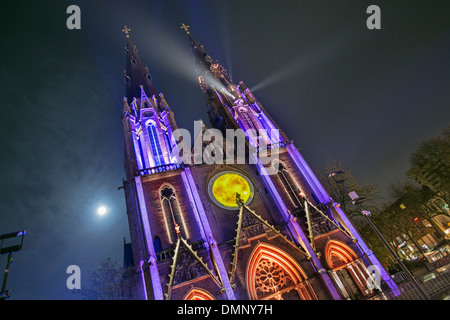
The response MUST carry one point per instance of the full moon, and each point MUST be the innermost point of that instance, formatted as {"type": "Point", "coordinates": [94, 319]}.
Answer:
{"type": "Point", "coordinates": [102, 210]}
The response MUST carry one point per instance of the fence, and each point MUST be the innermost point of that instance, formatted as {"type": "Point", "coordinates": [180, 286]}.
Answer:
{"type": "Point", "coordinates": [433, 283]}
{"type": "Point", "coordinates": [441, 262]}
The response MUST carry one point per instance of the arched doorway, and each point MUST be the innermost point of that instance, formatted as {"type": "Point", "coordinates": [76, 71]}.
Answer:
{"type": "Point", "coordinates": [348, 272]}
{"type": "Point", "coordinates": [274, 275]}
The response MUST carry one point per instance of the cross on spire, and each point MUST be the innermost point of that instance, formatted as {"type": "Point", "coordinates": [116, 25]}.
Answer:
{"type": "Point", "coordinates": [185, 27]}
{"type": "Point", "coordinates": [126, 30]}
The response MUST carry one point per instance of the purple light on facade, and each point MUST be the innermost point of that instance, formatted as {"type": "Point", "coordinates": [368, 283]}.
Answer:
{"type": "Point", "coordinates": [157, 289]}
{"type": "Point", "coordinates": [308, 174]}
{"type": "Point", "coordinates": [296, 230]}
{"type": "Point", "coordinates": [204, 223]}
{"type": "Point", "coordinates": [325, 198]}
{"type": "Point", "coordinates": [141, 263]}
{"type": "Point", "coordinates": [194, 206]}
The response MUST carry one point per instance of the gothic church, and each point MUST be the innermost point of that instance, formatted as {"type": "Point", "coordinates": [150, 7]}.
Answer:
{"type": "Point", "coordinates": [230, 231]}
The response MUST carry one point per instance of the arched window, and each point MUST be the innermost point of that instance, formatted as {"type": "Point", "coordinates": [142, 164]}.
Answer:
{"type": "Point", "coordinates": [157, 244]}
{"type": "Point", "coordinates": [173, 218]}
{"type": "Point", "coordinates": [274, 275]}
{"type": "Point", "coordinates": [155, 144]}
{"type": "Point", "coordinates": [248, 121]}
{"type": "Point", "coordinates": [348, 272]}
{"type": "Point", "coordinates": [289, 184]}
{"type": "Point", "coordinates": [339, 254]}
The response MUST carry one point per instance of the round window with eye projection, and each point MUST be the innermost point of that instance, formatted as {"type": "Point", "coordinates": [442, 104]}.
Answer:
{"type": "Point", "coordinates": [223, 187]}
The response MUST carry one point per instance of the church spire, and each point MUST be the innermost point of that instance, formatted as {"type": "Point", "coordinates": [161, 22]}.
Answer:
{"type": "Point", "coordinates": [206, 63]}
{"type": "Point", "coordinates": [216, 83]}
{"type": "Point", "coordinates": [136, 74]}
{"type": "Point", "coordinates": [231, 106]}
{"type": "Point", "coordinates": [199, 50]}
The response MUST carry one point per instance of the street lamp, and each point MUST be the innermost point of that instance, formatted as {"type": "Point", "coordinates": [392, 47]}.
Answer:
{"type": "Point", "coordinates": [366, 214]}
{"type": "Point", "coordinates": [4, 294]}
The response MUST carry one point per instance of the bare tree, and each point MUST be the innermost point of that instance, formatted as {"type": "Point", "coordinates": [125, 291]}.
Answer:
{"type": "Point", "coordinates": [109, 282]}
{"type": "Point", "coordinates": [340, 196]}
{"type": "Point", "coordinates": [430, 165]}
{"type": "Point", "coordinates": [369, 192]}
{"type": "Point", "coordinates": [418, 202]}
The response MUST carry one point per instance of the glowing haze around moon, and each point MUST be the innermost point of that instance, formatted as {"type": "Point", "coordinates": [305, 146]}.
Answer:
{"type": "Point", "coordinates": [102, 210]}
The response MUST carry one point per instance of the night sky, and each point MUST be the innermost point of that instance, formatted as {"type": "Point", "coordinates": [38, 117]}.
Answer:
{"type": "Point", "coordinates": [341, 91]}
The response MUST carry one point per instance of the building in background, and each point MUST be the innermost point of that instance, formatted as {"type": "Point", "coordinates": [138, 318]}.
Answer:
{"type": "Point", "coordinates": [230, 230]}
{"type": "Point", "coordinates": [414, 227]}
{"type": "Point", "coordinates": [429, 175]}
{"type": "Point", "coordinates": [430, 169]}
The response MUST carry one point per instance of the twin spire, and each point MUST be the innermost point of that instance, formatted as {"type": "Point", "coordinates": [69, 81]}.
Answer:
{"type": "Point", "coordinates": [211, 75]}
{"type": "Point", "coordinates": [127, 30]}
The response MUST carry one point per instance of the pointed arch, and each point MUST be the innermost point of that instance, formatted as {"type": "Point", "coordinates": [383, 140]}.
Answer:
{"type": "Point", "coordinates": [172, 213]}
{"type": "Point", "coordinates": [157, 244]}
{"type": "Point", "coordinates": [348, 271]}
{"type": "Point", "coordinates": [338, 253]}
{"type": "Point", "coordinates": [155, 143]}
{"type": "Point", "coordinates": [271, 272]}
{"type": "Point", "coordinates": [198, 294]}
{"type": "Point", "coordinates": [248, 120]}
{"type": "Point", "coordinates": [289, 183]}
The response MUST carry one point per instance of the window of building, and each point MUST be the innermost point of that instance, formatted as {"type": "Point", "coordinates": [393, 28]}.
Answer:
{"type": "Point", "coordinates": [155, 145]}
{"type": "Point", "coordinates": [157, 244]}
{"type": "Point", "coordinates": [173, 218]}
{"type": "Point", "coordinates": [289, 184]}
{"type": "Point", "coordinates": [272, 274]}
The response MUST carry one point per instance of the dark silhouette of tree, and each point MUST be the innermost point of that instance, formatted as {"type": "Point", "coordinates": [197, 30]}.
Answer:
{"type": "Point", "coordinates": [340, 196]}
{"type": "Point", "coordinates": [430, 166]}
{"type": "Point", "coordinates": [369, 192]}
{"type": "Point", "coordinates": [109, 282]}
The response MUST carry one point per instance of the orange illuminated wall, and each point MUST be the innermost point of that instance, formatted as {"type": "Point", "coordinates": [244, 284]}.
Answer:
{"type": "Point", "coordinates": [198, 294]}
{"type": "Point", "coordinates": [272, 272]}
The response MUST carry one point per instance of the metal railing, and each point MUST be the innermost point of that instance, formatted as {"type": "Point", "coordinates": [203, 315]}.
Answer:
{"type": "Point", "coordinates": [433, 284]}
{"type": "Point", "coordinates": [165, 167]}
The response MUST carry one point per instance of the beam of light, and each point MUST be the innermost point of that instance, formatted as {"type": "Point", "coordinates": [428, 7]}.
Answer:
{"type": "Point", "coordinates": [211, 80]}
{"type": "Point", "coordinates": [176, 56]}
{"type": "Point", "coordinates": [306, 61]}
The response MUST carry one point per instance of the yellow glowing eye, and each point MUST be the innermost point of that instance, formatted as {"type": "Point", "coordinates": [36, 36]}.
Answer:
{"type": "Point", "coordinates": [225, 187]}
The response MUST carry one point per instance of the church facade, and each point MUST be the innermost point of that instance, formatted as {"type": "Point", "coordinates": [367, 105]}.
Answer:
{"type": "Point", "coordinates": [257, 225]}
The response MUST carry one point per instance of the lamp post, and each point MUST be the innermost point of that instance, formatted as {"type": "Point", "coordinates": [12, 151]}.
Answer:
{"type": "Point", "coordinates": [9, 250]}
{"type": "Point", "coordinates": [366, 214]}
